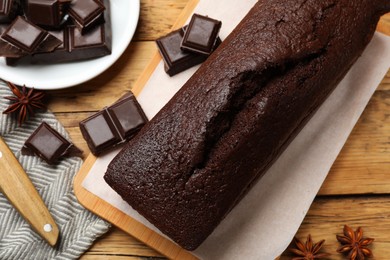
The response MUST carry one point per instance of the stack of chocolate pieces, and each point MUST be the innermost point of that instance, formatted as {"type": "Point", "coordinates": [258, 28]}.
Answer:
{"type": "Point", "coordinates": [54, 31]}
{"type": "Point", "coordinates": [190, 45]}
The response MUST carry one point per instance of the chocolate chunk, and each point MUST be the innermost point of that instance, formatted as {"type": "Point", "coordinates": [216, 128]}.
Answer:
{"type": "Point", "coordinates": [24, 35]}
{"type": "Point", "coordinates": [45, 57]}
{"type": "Point", "coordinates": [127, 116]}
{"type": "Point", "coordinates": [201, 34]}
{"type": "Point", "coordinates": [175, 59]}
{"type": "Point", "coordinates": [76, 46]}
{"type": "Point", "coordinates": [95, 43]}
{"type": "Point", "coordinates": [86, 13]}
{"type": "Point", "coordinates": [23, 38]}
{"type": "Point", "coordinates": [46, 13]}
{"type": "Point", "coordinates": [113, 125]}
{"type": "Point", "coordinates": [8, 10]}
{"type": "Point", "coordinates": [49, 145]}
{"type": "Point", "coordinates": [99, 132]}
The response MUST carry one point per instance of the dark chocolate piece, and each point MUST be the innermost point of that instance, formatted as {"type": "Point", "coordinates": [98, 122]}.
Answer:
{"type": "Point", "coordinates": [46, 13]}
{"type": "Point", "coordinates": [201, 34]}
{"type": "Point", "coordinates": [76, 46]}
{"type": "Point", "coordinates": [48, 144]}
{"type": "Point", "coordinates": [44, 57]}
{"type": "Point", "coordinates": [175, 59]}
{"type": "Point", "coordinates": [113, 125]}
{"type": "Point", "coordinates": [99, 132]}
{"type": "Point", "coordinates": [127, 116]}
{"type": "Point", "coordinates": [95, 43]}
{"type": "Point", "coordinates": [24, 35]}
{"type": "Point", "coordinates": [26, 38]}
{"type": "Point", "coordinates": [8, 10]}
{"type": "Point", "coordinates": [86, 13]}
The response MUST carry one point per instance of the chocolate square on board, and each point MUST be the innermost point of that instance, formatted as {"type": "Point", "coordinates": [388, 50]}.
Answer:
{"type": "Point", "coordinates": [201, 34]}
{"type": "Point", "coordinates": [113, 125]}
{"type": "Point", "coordinates": [127, 115]}
{"type": "Point", "coordinates": [175, 59]}
{"type": "Point", "coordinates": [99, 132]}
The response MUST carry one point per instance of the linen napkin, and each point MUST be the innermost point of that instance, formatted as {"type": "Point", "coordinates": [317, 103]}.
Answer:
{"type": "Point", "coordinates": [78, 227]}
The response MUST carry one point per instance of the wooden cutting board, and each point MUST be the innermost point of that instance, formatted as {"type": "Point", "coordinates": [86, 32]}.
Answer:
{"type": "Point", "coordinates": [118, 218]}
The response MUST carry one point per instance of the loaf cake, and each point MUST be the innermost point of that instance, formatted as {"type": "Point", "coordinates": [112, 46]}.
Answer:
{"type": "Point", "coordinates": [193, 162]}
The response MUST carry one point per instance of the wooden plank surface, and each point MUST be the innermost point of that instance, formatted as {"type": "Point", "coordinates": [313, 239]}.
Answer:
{"type": "Point", "coordinates": [327, 217]}
{"type": "Point", "coordinates": [361, 169]}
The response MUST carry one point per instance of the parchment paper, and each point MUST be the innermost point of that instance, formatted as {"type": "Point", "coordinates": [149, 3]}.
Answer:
{"type": "Point", "coordinates": [262, 225]}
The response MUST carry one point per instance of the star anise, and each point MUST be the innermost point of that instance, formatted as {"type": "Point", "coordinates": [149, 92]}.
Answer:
{"type": "Point", "coordinates": [309, 250]}
{"type": "Point", "coordinates": [354, 244]}
{"type": "Point", "coordinates": [24, 102]}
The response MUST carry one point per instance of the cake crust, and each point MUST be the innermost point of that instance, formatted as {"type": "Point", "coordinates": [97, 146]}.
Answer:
{"type": "Point", "coordinates": [198, 156]}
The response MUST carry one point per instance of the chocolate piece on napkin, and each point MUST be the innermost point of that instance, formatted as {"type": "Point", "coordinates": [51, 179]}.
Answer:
{"type": "Point", "coordinates": [49, 145]}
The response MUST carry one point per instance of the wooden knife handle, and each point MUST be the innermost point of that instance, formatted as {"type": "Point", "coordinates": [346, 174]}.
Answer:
{"type": "Point", "coordinates": [18, 188]}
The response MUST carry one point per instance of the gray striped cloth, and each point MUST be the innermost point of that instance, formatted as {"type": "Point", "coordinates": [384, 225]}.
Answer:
{"type": "Point", "coordinates": [78, 227]}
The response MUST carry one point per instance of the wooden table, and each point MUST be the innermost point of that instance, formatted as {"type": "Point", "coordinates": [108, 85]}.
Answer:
{"type": "Point", "coordinates": [356, 192]}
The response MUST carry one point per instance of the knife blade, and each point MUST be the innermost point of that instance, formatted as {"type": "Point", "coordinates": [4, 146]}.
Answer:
{"type": "Point", "coordinates": [21, 193]}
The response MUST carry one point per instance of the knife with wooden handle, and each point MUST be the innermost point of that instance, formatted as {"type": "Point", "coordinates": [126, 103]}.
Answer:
{"type": "Point", "coordinates": [18, 188]}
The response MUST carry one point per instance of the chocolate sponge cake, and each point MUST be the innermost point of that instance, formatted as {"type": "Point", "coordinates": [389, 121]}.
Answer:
{"type": "Point", "coordinates": [199, 155]}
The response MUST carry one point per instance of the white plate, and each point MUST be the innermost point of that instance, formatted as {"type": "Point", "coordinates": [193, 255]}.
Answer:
{"type": "Point", "coordinates": [124, 19]}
